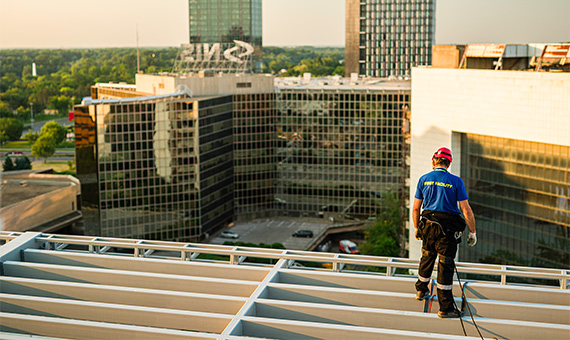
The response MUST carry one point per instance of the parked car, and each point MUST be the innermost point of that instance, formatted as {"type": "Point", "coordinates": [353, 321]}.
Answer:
{"type": "Point", "coordinates": [347, 246]}
{"type": "Point", "coordinates": [15, 154]}
{"type": "Point", "coordinates": [229, 234]}
{"type": "Point", "coordinates": [303, 233]}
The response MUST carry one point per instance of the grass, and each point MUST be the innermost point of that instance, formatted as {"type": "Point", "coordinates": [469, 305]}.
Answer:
{"type": "Point", "coordinates": [24, 144]}
{"type": "Point", "coordinates": [17, 145]}
{"type": "Point", "coordinates": [57, 166]}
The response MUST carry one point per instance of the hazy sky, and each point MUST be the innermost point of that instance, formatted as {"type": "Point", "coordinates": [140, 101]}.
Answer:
{"type": "Point", "coordinates": [113, 23]}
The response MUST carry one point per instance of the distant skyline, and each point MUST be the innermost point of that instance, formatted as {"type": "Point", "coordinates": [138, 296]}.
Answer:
{"type": "Point", "coordinates": [113, 23]}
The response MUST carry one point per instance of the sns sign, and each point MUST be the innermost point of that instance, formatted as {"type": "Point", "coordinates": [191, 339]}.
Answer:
{"type": "Point", "coordinates": [213, 52]}
{"type": "Point", "coordinates": [216, 57]}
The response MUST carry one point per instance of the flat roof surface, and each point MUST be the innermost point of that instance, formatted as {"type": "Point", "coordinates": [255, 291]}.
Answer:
{"type": "Point", "coordinates": [95, 287]}
{"type": "Point", "coordinates": [15, 191]}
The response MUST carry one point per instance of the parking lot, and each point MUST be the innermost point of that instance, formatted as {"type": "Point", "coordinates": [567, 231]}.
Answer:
{"type": "Point", "coordinates": [271, 231]}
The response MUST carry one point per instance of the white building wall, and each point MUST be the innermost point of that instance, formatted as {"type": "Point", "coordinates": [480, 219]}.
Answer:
{"type": "Point", "coordinates": [508, 104]}
{"type": "Point", "coordinates": [156, 84]}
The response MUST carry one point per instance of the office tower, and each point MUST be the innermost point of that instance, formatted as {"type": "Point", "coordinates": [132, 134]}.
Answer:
{"type": "Point", "coordinates": [223, 21]}
{"type": "Point", "coordinates": [388, 37]}
{"type": "Point", "coordinates": [157, 162]}
{"type": "Point", "coordinates": [253, 98]}
{"type": "Point", "coordinates": [508, 134]}
{"type": "Point", "coordinates": [341, 147]}
{"type": "Point", "coordinates": [156, 167]}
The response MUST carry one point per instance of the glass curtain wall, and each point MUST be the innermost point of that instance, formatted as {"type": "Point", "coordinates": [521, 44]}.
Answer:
{"type": "Point", "coordinates": [254, 155]}
{"type": "Point", "coordinates": [519, 191]}
{"type": "Point", "coordinates": [223, 21]}
{"type": "Point", "coordinates": [395, 35]}
{"type": "Point", "coordinates": [165, 167]}
{"type": "Point", "coordinates": [338, 151]}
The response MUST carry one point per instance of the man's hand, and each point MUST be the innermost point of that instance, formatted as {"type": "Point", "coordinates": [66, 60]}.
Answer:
{"type": "Point", "coordinates": [472, 239]}
{"type": "Point", "coordinates": [418, 234]}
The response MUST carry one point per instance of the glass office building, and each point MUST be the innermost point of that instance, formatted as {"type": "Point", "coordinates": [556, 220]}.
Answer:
{"type": "Point", "coordinates": [223, 21]}
{"type": "Point", "coordinates": [519, 191]}
{"type": "Point", "coordinates": [339, 149]}
{"type": "Point", "coordinates": [388, 37]}
{"type": "Point", "coordinates": [163, 165]}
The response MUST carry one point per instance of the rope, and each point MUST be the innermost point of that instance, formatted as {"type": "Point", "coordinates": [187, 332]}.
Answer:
{"type": "Point", "coordinates": [463, 306]}
{"type": "Point", "coordinates": [431, 296]}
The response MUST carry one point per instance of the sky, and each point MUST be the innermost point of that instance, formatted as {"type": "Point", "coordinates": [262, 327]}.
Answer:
{"type": "Point", "coordinates": [114, 23]}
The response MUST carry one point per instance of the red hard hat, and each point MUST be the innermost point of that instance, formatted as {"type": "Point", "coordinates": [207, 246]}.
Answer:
{"type": "Point", "coordinates": [443, 152]}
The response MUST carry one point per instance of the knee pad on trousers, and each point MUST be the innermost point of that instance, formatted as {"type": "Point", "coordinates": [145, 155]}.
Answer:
{"type": "Point", "coordinates": [445, 259]}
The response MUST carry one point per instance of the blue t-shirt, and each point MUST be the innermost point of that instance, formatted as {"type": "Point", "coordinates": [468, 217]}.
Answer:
{"type": "Point", "coordinates": [441, 191]}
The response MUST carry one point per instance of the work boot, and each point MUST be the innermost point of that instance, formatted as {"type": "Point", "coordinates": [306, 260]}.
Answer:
{"type": "Point", "coordinates": [451, 314]}
{"type": "Point", "coordinates": [421, 294]}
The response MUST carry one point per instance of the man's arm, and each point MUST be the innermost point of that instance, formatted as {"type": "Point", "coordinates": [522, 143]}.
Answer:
{"type": "Point", "coordinates": [416, 211]}
{"type": "Point", "coordinates": [468, 214]}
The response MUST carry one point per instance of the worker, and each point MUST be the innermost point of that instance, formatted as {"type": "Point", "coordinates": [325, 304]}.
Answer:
{"type": "Point", "coordinates": [440, 227]}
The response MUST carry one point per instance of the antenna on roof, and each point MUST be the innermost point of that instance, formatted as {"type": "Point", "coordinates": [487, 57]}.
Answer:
{"type": "Point", "coordinates": [138, 55]}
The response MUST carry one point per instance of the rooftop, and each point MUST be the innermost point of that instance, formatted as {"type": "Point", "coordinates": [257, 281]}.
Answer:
{"type": "Point", "coordinates": [61, 286]}
{"type": "Point", "coordinates": [340, 83]}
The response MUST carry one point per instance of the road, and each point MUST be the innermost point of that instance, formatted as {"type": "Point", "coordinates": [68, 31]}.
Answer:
{"type": "Point", "coordinates": [38, 125]}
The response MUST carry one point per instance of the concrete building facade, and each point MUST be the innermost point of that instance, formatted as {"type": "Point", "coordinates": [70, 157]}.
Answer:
{"type": "Point", "coordinates": [388, 37]}
{"type": "Point", "coordinates": [508, 133]}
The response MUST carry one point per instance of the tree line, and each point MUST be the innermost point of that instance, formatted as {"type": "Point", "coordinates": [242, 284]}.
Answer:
{"type": "Point", "coordinates": [64, 76]}
{"type": "Point", "coordinates": [294, 61]}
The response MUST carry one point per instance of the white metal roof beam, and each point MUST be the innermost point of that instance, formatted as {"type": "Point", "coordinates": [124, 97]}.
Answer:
{"type": "Point", "coordinates": [479, 290]}
{"type": "Point", "coordinates": [558, 314]}
{"type": "Point", "coordinates": [114, 313]}
{"type": "Point", "coordinates": [69, 329]}
{"type": "Point", "coordinates": [130, 279]}
{"type": "Point", "coordinates": [347, 280]}
{"type": "Point", "coordinates": [146, 265]}
{"type": "Point", "coordinates": [11, 250]}
{"type": "Point", "coordinates": [122, 295]}
{"type": "Point", "coordinates": [406, 302]}
{"type": "Point", "coordinates": [299, 330]}
{"type": "Point", "coordinates": [519, 293]}
{"type": "Point", "coordinates": [344, 296]}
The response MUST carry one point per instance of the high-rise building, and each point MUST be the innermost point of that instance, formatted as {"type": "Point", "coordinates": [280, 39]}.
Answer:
{"type": "Point", "coordinates": [158, 163]}
{"type": "Point", "coordinates": [508, 131]}
{"type": "Point", "coordinates": [388, 37]}
{"type": "Point", "coordinates": [157, 167]}
{"type": "Point", "coordinates": [223, 21]}
{"type": "Point", "coordinates": [341, 146]}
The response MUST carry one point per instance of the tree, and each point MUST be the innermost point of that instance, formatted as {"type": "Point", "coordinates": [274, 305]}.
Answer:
{"type": "Point", "coordinates": [8, 165]}
{"type": "Point", "coordinates": [383, 237]}
{"type": "Point", "coordinates": [60, 103]}
{"type": "Point", "coordinates": [5, 109]}
{"type": "Point", "coordinates": [10, 129]}
{"type": "Point", "coordinates": [31, 137]}
{"type": "Point", "coordinates": [44, 147]}
{"type": "Point", "coordinates": [55, 130]}
{"type": "Point", "coordinates": [23, 163]}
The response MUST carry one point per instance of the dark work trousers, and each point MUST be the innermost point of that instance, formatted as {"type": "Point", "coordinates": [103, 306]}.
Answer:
{"type": "Point", "coordinates": [438, 244]}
